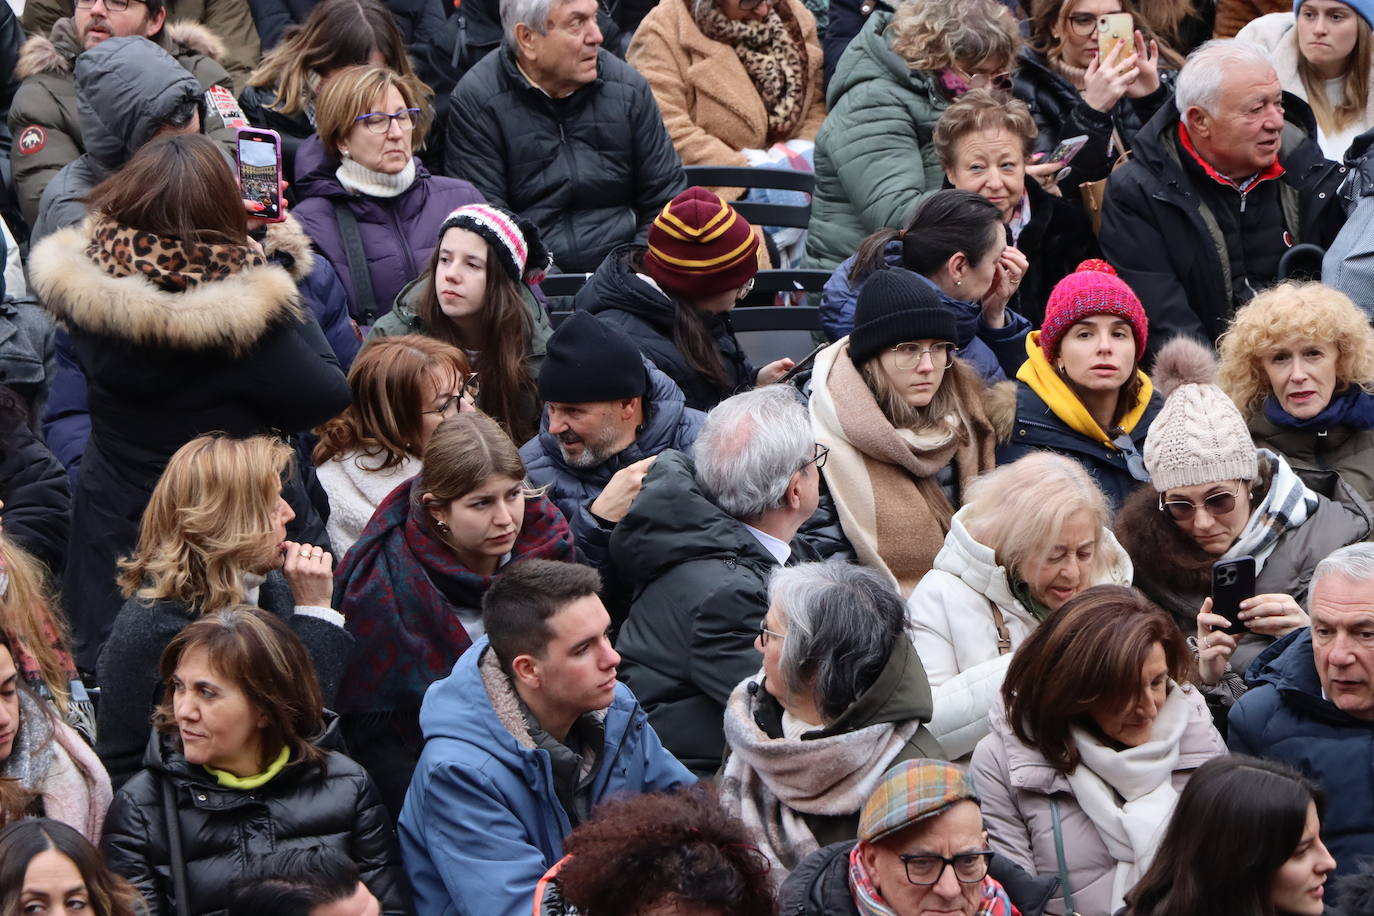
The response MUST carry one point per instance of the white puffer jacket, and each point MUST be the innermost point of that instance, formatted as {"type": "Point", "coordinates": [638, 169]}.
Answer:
{"type": "Point", "coordinates": [955, 634]}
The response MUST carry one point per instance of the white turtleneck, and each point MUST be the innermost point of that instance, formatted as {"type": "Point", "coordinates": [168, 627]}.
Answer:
{"type": "Point", "coordinates": [359, 179]}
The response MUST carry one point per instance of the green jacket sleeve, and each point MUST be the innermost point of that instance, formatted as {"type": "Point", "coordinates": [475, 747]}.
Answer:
{"type": "Point", "coordinates": [45, 139]}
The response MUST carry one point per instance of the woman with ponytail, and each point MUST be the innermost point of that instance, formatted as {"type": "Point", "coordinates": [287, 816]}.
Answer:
{"type": "Point", "coordinates": [673, 298]}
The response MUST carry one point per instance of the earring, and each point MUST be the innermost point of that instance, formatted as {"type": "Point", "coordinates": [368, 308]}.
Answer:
{"type": "Point", "coordinates": [346, 154]}
{"type": "Point", "coordinates": [958, 282]}
{"type": "Point", "coordinates": [442, 526]}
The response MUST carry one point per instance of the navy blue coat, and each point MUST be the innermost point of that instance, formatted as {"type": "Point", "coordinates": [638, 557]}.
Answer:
{"type": "Point", "coordinates": [1037, 428]}
{"type": "Point", "coordinates": [1284, 717]}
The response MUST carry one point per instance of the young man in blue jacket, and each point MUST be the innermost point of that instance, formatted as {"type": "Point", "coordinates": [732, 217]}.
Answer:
{"type": "Point", "coordinates": [522, 740]}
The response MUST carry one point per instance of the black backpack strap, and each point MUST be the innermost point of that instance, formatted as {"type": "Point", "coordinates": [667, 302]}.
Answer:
{"type": "Point", "coordinates": [364, 299]}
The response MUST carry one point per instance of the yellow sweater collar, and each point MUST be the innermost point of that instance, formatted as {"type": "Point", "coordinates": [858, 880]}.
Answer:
{"type": "Point", "coordinates": [230, 781]}
{"type": "Point", "coordinates": [1046, 382]}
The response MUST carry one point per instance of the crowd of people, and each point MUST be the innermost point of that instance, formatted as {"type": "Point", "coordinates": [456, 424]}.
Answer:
{"type": "Point", "coordinates": [346, 570]}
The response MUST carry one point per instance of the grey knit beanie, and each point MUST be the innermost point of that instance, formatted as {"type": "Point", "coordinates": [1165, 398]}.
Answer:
{"type": "Point", "coordinates": [1198, 437]}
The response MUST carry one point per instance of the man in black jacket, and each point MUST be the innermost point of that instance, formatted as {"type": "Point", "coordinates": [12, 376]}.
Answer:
{"type": "Point", "coordinates": [1221, 184]}
{"type": "Point", "coordinates": [697, 546]}
{"type": "Point", "coordinates": [559, 130]}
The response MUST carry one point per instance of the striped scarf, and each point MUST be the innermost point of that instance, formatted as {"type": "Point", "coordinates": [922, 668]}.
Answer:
{"type": "Point", "coordinates": [1287, 504]}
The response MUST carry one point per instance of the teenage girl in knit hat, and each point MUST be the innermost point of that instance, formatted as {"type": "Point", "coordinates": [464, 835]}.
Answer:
{"type": "Point", "coordinates": [907, 425]}
{"type": "Point", "coordinates": [474, 294]}
{"type": "Point", "coordinates": [673, 298]}
{"type": "Point", "coordinates": [1214, 496]}
{"type": "Point", "coordinates": [1080, 391]}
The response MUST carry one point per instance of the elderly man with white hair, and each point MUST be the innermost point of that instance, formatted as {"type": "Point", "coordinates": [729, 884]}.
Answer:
{"type": "Point", "coordinates": [697, 547]}
{"type": "Point", "coordinates": [557, 129]}
{"type": "Point", "coordinates": [1220, 185]}
{"type": "Point", "coordinates": [1312, 703]}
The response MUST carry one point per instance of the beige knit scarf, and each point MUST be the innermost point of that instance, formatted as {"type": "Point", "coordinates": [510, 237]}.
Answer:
{"type": "Point", "coordinates": [771, 783]}
{"type": "Point", "coordinates": [872, 465]}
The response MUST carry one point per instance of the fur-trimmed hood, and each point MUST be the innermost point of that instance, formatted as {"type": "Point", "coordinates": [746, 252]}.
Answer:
{"type": "Point", "coordinates": [288, 245]}
{"type": "Point", "coordinates": [56, 51]}
{"type": "Point", "coordinates": [230, 314]}
{"type": "Point", "coordinates": [999, 402]}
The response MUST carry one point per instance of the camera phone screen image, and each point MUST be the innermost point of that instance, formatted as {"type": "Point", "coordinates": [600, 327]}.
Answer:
{"type": "Point", "coordinates": [258, 174]}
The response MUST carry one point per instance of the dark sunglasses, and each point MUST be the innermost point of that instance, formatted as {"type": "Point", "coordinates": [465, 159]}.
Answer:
{"type": "Point", "coordinates": [1181, 510]}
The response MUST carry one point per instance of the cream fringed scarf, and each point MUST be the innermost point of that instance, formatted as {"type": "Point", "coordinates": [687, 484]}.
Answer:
{"type": "Point", "coordinates": [872, 465]}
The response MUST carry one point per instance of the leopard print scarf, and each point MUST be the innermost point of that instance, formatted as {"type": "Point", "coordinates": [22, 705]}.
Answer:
{"type": "Point", "coordinates": [773, 52]}
{"type": "Point", "coordinates": [169, 263]}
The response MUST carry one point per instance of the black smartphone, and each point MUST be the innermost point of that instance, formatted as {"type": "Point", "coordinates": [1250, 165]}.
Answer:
{"type": "Point", "coordinates": [259, 158]}
{"type": "Point", "coordinates": [802, 363]}
{"type": "Point", "coordinates": [1232, 582]}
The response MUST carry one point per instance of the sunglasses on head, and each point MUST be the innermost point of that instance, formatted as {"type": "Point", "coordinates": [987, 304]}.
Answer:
{"type": "Point", "coordinates": [1182, 510]}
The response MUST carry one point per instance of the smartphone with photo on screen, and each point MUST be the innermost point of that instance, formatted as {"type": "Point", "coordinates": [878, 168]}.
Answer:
{"type": "Point", "coordinates": [259, 158]}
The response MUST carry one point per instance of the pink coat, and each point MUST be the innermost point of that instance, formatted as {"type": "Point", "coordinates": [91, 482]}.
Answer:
{"type": "Point", "coordinates": [1015, 783]}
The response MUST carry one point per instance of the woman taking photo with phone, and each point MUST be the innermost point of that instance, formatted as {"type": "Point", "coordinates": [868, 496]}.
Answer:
{"type": "Point", "coordinates": [475, 295]}
{"type": "Point", "coordinates": [1323, 53]}
{"type": "Point", "coordinates": [411, 588]}
{"type": "Point", "coordinates": [245, 760]}
{"type": "Point", "coordinates": [1214, 496]}
{"type": "Point", "coordinates": [1075, 91]}
{"type": "Point", "coordinates": [1097, 732]}
{"type": "Point", "coordinates": [213, 536]}
{"type": "Point", "coordinates": [371, 190]}
{"type": "Point", "coordinates": [183, 328]}
{"type": "Point", "coordinates": [1245, 838]}
{"type": "Point", "coordinates": [403, 388]}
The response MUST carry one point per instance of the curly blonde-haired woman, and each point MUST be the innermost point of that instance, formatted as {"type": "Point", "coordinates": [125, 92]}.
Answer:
{"type": "Point", "coordinates": [1298, 360]}
{"type": "Point", "coordinates": [213, 537]}
{"type": "Point", "coordinates": [875, 158]}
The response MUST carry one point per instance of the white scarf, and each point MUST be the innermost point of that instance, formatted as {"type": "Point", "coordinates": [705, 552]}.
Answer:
{"type": "Point", "coordinates": [359, 179]}
{"type": "Point", "coordinates": [1141, 776]}
{"type": "Point", "coordinates": [770, 783]}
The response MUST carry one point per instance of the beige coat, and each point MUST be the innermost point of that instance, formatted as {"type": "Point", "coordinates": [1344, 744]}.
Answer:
{"type": "Point", "coordinates": [709, 104]}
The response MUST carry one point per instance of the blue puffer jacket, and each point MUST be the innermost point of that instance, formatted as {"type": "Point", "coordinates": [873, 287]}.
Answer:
{"type": "Point", "coordinates": [482, 822]}
{"type": "Point", "coordinates": [995, 352]}
{"type": "Point", "coordinates": [1284, 717]}
{"type": "Point", "coordinates": [671, 424]}
{"type": "Point", "coordinates": [66, 418]}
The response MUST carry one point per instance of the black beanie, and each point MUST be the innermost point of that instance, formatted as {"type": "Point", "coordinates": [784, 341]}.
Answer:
{"type": "Point", "coordinates": [588, 360]}
{"type": "Point", "coordinates": [896, 306]}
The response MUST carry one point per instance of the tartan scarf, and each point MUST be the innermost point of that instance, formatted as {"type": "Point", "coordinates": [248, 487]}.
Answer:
{"type": "Point", "coordinates": [993, 902]}
{"type": "Point", "coordinates": [400, 588]}
{"type": "Point", "coordinates": [1286, 504]}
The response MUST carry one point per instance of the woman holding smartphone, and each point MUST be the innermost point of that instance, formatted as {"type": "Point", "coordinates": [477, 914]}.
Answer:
{"type": "Point", "coordinates": [1214, 496]}
{"type": "Point", "coordinates": [1073, 90]}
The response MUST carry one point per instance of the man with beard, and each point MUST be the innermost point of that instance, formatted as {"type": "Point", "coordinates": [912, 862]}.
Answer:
{"type": "Point", "coordinates": [608, 414]}
{"type": "Point", "coordinates": [44, 119]}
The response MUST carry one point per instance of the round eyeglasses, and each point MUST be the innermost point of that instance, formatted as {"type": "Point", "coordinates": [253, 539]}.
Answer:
{"type": "Point", "coordinates": [379, 122]}
{"type": "Point", "coordinates": [909, 355]}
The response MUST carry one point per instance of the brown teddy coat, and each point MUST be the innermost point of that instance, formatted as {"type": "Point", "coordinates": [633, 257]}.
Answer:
{"type": "Point", "coordinates": [709, 104]}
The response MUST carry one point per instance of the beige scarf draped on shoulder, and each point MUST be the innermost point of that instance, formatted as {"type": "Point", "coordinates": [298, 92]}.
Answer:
{"type": "Point", "coordinates": [873, 468]}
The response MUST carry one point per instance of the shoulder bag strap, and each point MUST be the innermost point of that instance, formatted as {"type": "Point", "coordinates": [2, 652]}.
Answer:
{"type": "Point", "coordinates": [1003, 635]}
{"type": "Point", "coordinates": [363, 296]}
{"type": "Point", "coordinates": [1064, 888]}
{"type": "Point", "coordinates": [178, 863]}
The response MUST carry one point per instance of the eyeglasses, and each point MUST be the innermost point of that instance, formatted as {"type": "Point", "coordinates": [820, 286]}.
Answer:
{"type": "Point", "coordinates": [453, 403]}
{"type": "Point", "coordinates": [925, 870]}
{"type": "Point", "coordinates": [1181, 510]}
{"type": "Point", "coordinates": [379, 122]}
{"type": "Point", "coordinates": [114, 6]}
{"type": "Point", "coordinates": [909, 355]}
{"type": "Point", "coordinates": [748, 286]}
{"type": "Point", "coordinates": [1083, 24]}
{"type": "Point", "coordinates": [1135, 462]}
{"type": "Point", "coordinates": [766, 634]}
{"type": "Point", "coordinates": [821, 454]}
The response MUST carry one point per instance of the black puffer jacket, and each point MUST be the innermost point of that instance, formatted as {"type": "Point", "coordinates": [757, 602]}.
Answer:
{"type": "Point", "coordinates": [819, 886]}
{"type": "Point", "coordinates": [1061, 113]}
{"type": "Point", "coordinates": [1169, 247]}
{"type": "Point", "coordinates": [701, 590]}
{"type": "Point", "coordinates": [590, 170]}
{"type": "Point", "coordinates": [620, 298]}
{"type": "Point", "coordinates": [226, 833]}
{"type": "Point", "coordinates": [33, 488]}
